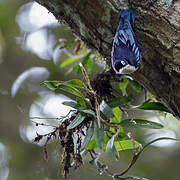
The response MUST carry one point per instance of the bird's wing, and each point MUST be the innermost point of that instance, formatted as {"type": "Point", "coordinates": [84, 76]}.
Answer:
{"type": "Point", "coordinates": [125, 43]}
{"type": "Point", "coordinates": [125, 34]}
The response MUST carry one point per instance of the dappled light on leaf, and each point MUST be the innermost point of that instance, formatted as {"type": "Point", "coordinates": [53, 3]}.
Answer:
{"type": "Point", "coordinates": [140, 123]}
{"type": "Point", "coordinates": [124, 145]}
{"type": "Point", "coordinates": [119, 101]}
{"type": "Point", "coordinates": [99, 136]}
{"type": "Point", "coordinates": [111, 149]}
{"type": "Point", "coordinates": [106, 110]}
{"type": "Point", "coordinates": [76, 121]}
{"type": "Point", "coordinates": [148, 105]}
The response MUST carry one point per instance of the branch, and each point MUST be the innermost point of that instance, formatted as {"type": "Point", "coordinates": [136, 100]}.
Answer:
{"type": "Point", "coordinates": [157, 28]}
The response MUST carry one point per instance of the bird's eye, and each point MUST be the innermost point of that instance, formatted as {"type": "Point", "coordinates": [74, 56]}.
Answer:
{"type": "Point", "coordinates": [123, 63]}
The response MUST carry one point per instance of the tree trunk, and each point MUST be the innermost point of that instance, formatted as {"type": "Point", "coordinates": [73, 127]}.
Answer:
{"type": "Point", "coordinates": [157, 26]}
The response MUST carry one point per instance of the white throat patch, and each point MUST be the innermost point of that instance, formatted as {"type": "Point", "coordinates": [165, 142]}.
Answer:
{"type": "Point", "coordinates": [127, 70]}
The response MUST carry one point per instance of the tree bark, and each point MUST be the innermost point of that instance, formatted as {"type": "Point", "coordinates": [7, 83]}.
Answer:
{"type": "Point", "coordinates": [157, 26]}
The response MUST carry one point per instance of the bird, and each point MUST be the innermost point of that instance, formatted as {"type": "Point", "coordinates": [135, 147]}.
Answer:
{"type": "Point", "coordinates": [125, 54]}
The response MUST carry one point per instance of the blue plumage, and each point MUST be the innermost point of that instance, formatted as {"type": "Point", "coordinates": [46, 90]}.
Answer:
{"type": "Point", "coordinates": [125, 51]}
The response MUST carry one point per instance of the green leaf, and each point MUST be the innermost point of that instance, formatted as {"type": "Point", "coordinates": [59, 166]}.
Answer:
{"type": "Point", "coordinates": [76, 121]}
{"type": "Point", "coordinates": [52, 85]}
{"type": "Point", "coordinates": [106, 139]}
{"type": "Point", "coordinates": [88, 111]}
{"type": "Point", "coordinates": [86, 59]}
{"type": "Point", "coordinates": [79, 107]}
{"type": "Point", "coordinates": [111, 149]}
{"type": "Point", "coordinates": [71, 90]}
{"type": "Point", "coordinates": [153, 106]}
{"type": "Point", "coordinates": [69, 61]}
{"type": "Point", "coordinates": [91, 145]}
{"type": "Point", "coordinates": [66, 86]}
{"type": "Point", "coordinates": [81, 101]}
{"type": "Point", "coordinates": [123, 85]}
{"type": "Point", "coordinates": [135, 85]}
{"type": "Point", "coordinates": [87, 62]}
{"type": "Point", "coordinates": [88, 137]}
{"type": "Point", "coordinates": [119, 101]}
{"type": "Point", "coordinates": [99, 136]}
{"type": "Point", "coordinates": [117, 115]}
{"type": "Point", "coordinates": [106, 110]}
{"type": "Point", "coordinates": [77, 68]}
{"type": "Point", "coordinates": [71, 104]}
{"type": "Point", "coordinates": [125, 145]}
{"type": "Point", "coordinates": [140, 123]}
{"type": "Point", "coordinates": [76, 83]}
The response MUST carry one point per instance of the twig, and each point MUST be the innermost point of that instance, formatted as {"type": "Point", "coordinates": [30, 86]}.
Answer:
{"type": "Point", "coordinates": [134, 157]}
{"type": "Point", "coordinates": [97, 106]}
{"type": "Point", "coordinates": [42, 124]}
{"type": "Point", "coordinates": [59, 118]}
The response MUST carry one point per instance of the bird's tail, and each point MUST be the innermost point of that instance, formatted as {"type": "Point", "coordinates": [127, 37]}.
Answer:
{"type": "Point", "coordinates": [127, 14]}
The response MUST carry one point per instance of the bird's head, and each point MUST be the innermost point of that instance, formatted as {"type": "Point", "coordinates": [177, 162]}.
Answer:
{"type": "Point", "coordinates": [123, 67]}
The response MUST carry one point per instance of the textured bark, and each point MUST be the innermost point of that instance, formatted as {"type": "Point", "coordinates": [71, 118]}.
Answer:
{"type": "Point", "coordinates": [157, 27]}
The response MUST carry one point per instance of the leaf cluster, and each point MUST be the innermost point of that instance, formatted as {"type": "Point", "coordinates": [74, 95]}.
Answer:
{"type": "Point", "coordinates": [106, 128]}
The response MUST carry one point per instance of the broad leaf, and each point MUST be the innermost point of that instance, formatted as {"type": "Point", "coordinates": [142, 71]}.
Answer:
{"type": "Point", "coordinates": [88, 111]}
{"type": "Point", "coordinates": [81, 101]}
{"type": "Point", "coordinates": [88, 137]}
{"type": "Point", "coordinates": [77, 68]}
{"type": "Point", "coordinates": [99, 136]}
{"type": "Point", "coordinates": [148, 105]}
{"type": "Point", "coordinates": [123, 85]}
{"type": "Point", "coordinates": [76, 121]}
{"type": "Point", "coordinates": [140, 123]}
{"type": "Point", "coordinates": [106, 110]}
{"type": "Point", "coordinates": [76, 83]}
{"type": "Point", "coordinates": [135, 85]}
{"type": "Point", "coordinates": [79, 107]}
{"type": "Point", "coordinates": [70, 89]}
{"type": "Point", "coordinates": [119, 101]}
{"type": "Point", "coordinates": [69, 61]}
{"type": "Point", "coordinates": [111, 149]}
{"type": "Point", "coordinates": [125, 145]}
{"type": "Point", "coordinates": [117, 115]}
{"type": "Point", "coordinates": [86, 59]}
{"type": "Point", "coordinates": [52, 85]}
{"type": "Point", "coordinates": [91, 145]}
{"type": "Point", "coordinates": [71, 104]}
{"type": "Point", "coordinates": [87, 62]}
